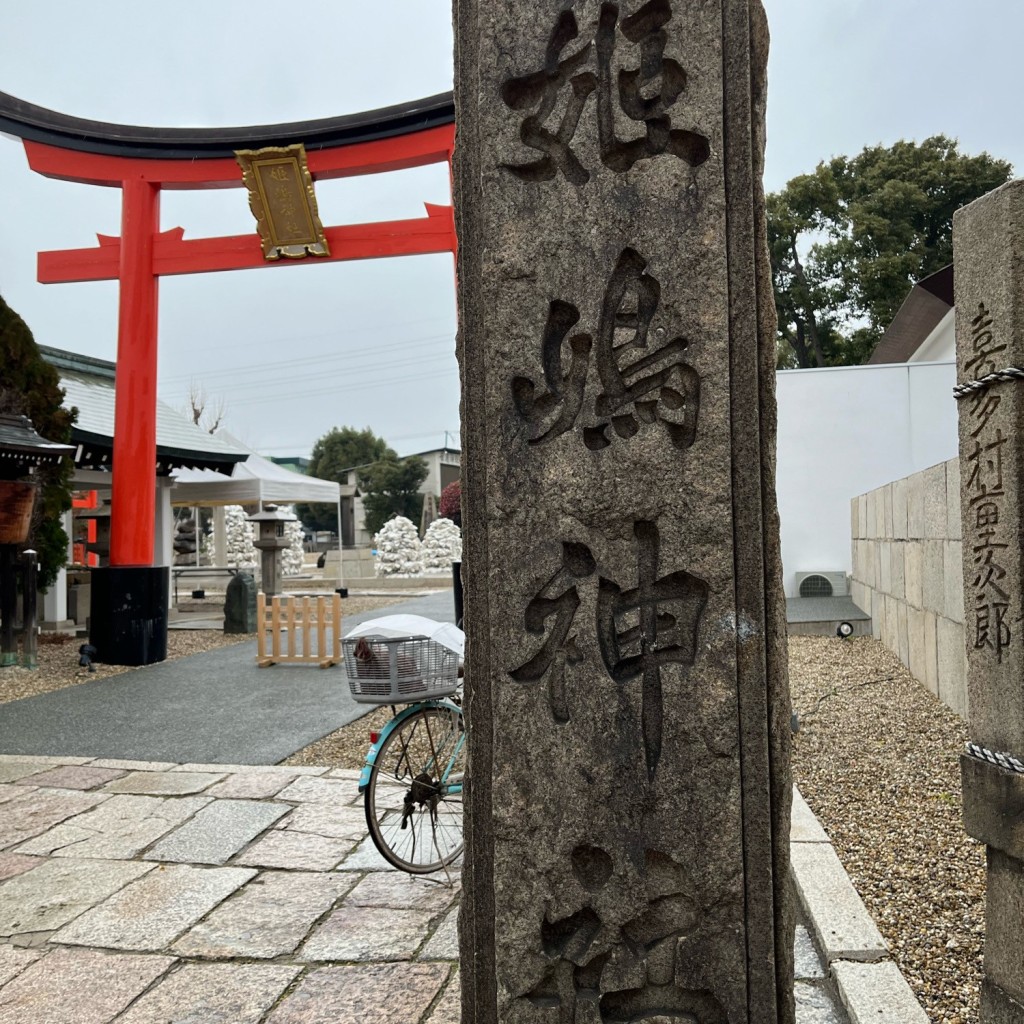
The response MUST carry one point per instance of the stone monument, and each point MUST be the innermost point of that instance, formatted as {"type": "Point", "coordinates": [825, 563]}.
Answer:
{"type": "Point", "coordinates": [989, 288]}
{"type": "Point", "coordinates": [629, 787]}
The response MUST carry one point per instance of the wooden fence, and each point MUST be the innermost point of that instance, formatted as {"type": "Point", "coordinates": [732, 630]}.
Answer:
{"type": "Point", "coordinates": [287, 619]}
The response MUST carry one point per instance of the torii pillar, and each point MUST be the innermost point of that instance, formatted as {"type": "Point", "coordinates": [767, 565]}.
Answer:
{"type": "Point", "coordinates": [129, 597]}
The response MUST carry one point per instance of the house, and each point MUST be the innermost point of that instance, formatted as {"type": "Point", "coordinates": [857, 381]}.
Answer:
{"type": "Point", "coordinates": [443, 468]}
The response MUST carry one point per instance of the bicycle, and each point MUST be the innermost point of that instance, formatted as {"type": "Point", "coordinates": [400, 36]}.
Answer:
{"type": "Point", "coordinates": [413, 775]}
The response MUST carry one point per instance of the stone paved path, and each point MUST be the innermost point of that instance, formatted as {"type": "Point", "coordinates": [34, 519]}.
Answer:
{"type": "Point", "coordinates": [158, 893]}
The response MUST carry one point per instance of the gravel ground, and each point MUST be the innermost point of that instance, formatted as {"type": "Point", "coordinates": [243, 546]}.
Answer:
{"type": "Point", "coordinates": [58, 654]}
{"type": "Point", "coordinates": [58, 662]}
{"type": "Point", "coordinates": [347, 747]}
{"type": "Point", "coordinates": [876, 757]}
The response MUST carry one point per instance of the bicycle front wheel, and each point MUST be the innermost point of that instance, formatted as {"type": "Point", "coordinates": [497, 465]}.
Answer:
{"type": "Point", "coordinates": [414, 796]}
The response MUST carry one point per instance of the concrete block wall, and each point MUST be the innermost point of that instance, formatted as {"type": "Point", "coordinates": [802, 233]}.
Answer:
{"type": "Point", "coordinates": [907, 550]}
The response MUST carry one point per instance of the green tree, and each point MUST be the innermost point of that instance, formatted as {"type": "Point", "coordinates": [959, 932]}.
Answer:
{"type": "Point", "coordinates": [390, 487]}
{"type": "Point", "coordinates": [338, 450]}
{"type": "Point", "coordinates": [30, 387]}
{"type": "Point", "coordinates": [848, 242]}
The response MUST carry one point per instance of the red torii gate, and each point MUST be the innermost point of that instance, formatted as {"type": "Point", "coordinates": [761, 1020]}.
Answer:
{"type": "Point", "coordinates": [144, 161]}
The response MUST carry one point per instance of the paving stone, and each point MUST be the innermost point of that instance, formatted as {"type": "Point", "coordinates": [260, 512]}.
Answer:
{"type": "Point", "coordinates": [78, 986]}
{"type": "Point", "coordinates": [251, 786]}
{"type": "Point", "coordinates": [449, 1007]}
{"type": "Point", "coordinates": [268, 918]}
{"type": "Point", "coordinates": [12, 864]}
{"type": "Point", "coordinates": [11, 791]}
{"type": "Point", "coordinates": [152, 912]}
{"type": "Point", "coordinates": [217, 832]}
{"type": "Point", "coordinates": [212, 994]}
{"type": "Point", "coordinates": [292, 770]}
{"type": "Point", "coordinates": [14, 961]}
{"type": "Point", "coordinates": [876, 993]}
{"type": "Point", "coordinates": [44, 760]}
{"type": "Point", "coordinates": [334, 791]}
{"type": "Point", "coordinates": [299, 851]}
{"type": "Point", "coordinates": [366, 857]}
{"type": "Point", "coordinates": [71, 776]}
{"type": "Point", "coordinates": [843, 928]}
{"type": "Point", "coordinates": [57, 891]}
{"type": "Point", "coordinates": [327, 820]}
{"type": "Point", "coordinates": [351, 774]}
{"type": "Point", "coordinates": [163, 783]}
{"type": "Point", "coordinates": [133, 766]}
{"type": "Point", "coordinates": [805, 827]}
{"type": "Point", "coordinates": [806, 961]}
{"type": "Point", "coordinates": [118, 829]}
{"type": "Point", "coordinates": [11, 771]}
{"type": "Point", "coordinates": [402, 892]}
{"type": "Point", "coordinates": [814, 1005]}
{"type": "Point", "coordinates": [338, 792]}
{"type": "Point", "coordinates": [368, 933]}
{"type": "Point", "coordinates": [371, 994]}
{"type": "Point", "coordinates": [39, 810]}
{"type": "Point", "coordinates": [444, 943]}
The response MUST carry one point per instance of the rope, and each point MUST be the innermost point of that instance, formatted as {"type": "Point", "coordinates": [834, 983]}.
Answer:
{"type": "Point", "coordinates": [1007, 761]}
{"type": "Point", "coordinates": [1010, 373]}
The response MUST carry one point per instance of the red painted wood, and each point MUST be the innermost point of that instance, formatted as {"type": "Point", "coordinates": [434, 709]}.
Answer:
{"type": "Point", "coordinates": [174, 254]}
{"type": "Point", "coordinates": [142, 254]}
{"type": "Point", "coordinates": [417, 149]}
{"type": "Point", "coordinates": [133, 491]}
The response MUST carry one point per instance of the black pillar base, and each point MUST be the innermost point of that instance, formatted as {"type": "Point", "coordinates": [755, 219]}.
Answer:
{"type": "Point", "coordinates": [128, 614]}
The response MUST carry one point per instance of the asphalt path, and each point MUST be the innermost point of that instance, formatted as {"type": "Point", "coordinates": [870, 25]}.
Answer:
{"type": "Point", "coordinates": [216, 707]}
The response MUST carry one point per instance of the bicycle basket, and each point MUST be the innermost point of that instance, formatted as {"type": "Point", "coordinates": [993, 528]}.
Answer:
{"type": "Point", "coordinates": [399, 670]}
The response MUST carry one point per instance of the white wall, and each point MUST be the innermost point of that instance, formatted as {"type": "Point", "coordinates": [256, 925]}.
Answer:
{"type": "Point", "coordinates": [847, 430]}
{"type": "Point", "coordinates": [940, 345]}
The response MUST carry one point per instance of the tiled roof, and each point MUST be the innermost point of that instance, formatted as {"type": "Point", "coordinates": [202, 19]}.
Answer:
{"type": "Point", "coordinates": [89, 384]}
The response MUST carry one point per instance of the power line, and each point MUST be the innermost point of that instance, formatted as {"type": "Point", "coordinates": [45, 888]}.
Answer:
{"type": "Point", "coordinates": [342, 390]}
{"type": "Point", "coordinates": [274, 367]}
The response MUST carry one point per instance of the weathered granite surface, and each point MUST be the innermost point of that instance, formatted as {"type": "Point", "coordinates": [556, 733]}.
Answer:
{"type": "Point", "coordinates": [627, 698]}
{"type": "Point", "coordinates": [989, 282]}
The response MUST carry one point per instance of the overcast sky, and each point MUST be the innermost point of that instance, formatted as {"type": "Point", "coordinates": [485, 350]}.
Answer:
{"type": "Point", "coordinates": [371, 343]}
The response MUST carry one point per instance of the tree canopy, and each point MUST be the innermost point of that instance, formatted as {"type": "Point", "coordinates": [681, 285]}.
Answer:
{"type": "Point", "coordinates": [391, 487]}
{"type": "Point", "coordinates": [849, 241]}
{"type": "Point", "coordinates": [339, 449]}
{"type": "Point", "coordinates": [29, 386]}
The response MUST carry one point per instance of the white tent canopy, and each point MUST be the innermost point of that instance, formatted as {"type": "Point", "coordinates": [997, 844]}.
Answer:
{"type": "Point", "coordinates": [255, 481]}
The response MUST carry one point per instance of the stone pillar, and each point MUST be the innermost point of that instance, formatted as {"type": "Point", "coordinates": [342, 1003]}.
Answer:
{"type": "Point", "coordinates": [988, 236]}
{"type": "Point", "coordinates": [628, 803]}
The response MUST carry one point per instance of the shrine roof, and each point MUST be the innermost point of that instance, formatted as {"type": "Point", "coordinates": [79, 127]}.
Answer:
{"type": "Point", "coordinates": [89, 386]}
{"type": "Point", "coordinates": [21, 443]}
{"type": "Point", "coordinates": [38, 124]}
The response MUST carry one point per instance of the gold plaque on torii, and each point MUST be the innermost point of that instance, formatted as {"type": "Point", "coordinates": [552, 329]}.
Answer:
{"type": "Point", "coordinates": [282, 200]}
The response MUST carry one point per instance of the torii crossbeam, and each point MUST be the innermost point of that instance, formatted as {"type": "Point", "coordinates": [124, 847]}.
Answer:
{"type": "Point", "coordinates": [144, 161]}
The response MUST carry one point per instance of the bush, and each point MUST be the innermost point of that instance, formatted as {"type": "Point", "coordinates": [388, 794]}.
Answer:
{"type": "Point", "coordinates": [451, 503]}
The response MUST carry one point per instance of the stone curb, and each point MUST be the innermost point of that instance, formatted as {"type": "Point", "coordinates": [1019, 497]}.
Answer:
{"type": "Point", "coordinates": [870, 985]}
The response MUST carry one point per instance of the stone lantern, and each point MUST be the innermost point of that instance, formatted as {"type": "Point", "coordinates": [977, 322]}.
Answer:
{"type": "Point", "coordinates": [270, 542]}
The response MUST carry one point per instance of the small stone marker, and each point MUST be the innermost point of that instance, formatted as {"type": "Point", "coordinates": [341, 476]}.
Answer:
{"type": "Point", "coordinates": [628, 804]}
{"type": "Point", "coordinates": [989, 283]}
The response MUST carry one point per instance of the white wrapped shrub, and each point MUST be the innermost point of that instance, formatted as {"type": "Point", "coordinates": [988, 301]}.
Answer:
{"type": "Point", "coordinates": [241, 552]}
{"type": "Point", "coordinates": [398, 549]}
{"type": "Point", "coordinates": [441, 546]}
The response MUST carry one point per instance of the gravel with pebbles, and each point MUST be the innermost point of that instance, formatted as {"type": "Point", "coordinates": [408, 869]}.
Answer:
{"type": "Point", "coordinates": [877, 759]}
